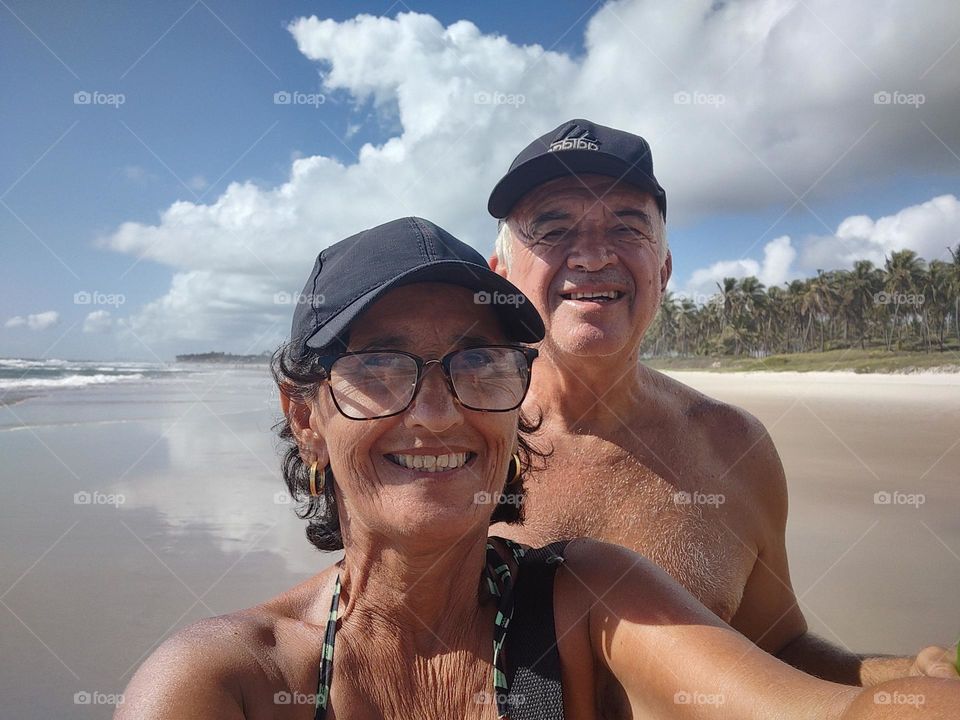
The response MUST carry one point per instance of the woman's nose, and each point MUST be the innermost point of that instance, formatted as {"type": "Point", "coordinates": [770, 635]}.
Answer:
{"type": "Point", "coordinates": [434, 406]}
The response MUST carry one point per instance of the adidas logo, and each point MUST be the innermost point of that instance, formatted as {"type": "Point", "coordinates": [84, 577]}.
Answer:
{"type": "Point", "coordinates": [575, 139]}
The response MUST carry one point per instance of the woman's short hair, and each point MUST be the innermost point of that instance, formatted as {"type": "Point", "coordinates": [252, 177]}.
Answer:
{"type": "Point", "coordinates": [299, 376]}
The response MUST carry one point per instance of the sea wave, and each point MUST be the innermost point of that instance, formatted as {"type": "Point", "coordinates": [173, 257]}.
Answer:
{"type": "Point", "coordinates": [69, 381]}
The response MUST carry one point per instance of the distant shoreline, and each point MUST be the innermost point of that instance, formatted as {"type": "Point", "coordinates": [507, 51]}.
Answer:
{"type": "Point", "coordinates": [855, 361]}
{"type": "Point", "coordinates": [225, 358]}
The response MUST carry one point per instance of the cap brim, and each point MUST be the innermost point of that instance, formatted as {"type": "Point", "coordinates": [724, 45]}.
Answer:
{"type": "Point", "coordinates": [520, 319]}
{"type": "Point", "coordinates": [552, 165]}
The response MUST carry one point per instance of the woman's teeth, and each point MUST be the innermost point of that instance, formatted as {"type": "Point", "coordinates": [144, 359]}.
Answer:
{"type": "Point", "coordinates": [431, 463]}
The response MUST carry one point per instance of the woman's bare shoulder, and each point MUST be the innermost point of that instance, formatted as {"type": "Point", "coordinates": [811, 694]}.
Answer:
{"type": "Point", "coordinates": [226, 660]}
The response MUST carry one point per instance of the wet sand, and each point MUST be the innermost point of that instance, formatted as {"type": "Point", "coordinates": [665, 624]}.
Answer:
{"type": "Point", "coordinates": [126, 512]}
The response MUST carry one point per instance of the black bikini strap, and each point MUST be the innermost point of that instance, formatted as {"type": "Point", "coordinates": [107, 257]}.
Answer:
{"type": "Point", "coordinates": [536, 690]}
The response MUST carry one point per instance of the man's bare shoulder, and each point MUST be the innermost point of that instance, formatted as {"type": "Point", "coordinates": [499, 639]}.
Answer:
{"type": "Point", "coordinates": [739, 446]}
{"type": "Point", "coordinates": [730, 428]}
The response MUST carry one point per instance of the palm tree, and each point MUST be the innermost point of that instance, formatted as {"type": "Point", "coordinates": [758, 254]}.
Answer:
{"type": "Point", "coordinates": [904, 271]}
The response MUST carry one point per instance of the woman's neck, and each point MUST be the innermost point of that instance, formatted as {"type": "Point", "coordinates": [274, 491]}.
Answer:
{"type": "Point", "coordinates": [423, 594]}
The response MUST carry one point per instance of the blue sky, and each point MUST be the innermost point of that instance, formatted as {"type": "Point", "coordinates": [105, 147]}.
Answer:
{"type": "Point", "coordinates": [197, 81]}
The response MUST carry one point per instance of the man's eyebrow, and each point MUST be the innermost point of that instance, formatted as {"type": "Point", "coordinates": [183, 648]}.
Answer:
{"type": "Point", "coordinates": [622, 213]}
{"type": "Point", "coordinates": [549, 216]}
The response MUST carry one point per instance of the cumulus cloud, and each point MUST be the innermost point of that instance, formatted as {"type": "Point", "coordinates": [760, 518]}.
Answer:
{"type": "Point", "coordinates": [38, 321]}
{"type": "Point", "coordinates": [740, 112]}
{"type": "Point", "coordinates": [98, 322]}
{"type": "Point", "coordinates": [775, 269]}
{"type": "Point", "coordinates": [930, 228]}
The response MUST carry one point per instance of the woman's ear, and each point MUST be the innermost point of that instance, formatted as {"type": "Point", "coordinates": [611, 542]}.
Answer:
{"type": "Point", "coordinates": [311, 443]}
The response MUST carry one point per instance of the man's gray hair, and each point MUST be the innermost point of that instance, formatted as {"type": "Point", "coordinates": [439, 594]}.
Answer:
{"type": "Point", "coordinates": [505, 242]}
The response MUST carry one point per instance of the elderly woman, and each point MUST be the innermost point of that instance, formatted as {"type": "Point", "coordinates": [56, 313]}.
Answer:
{"type": "Point", "coordinates": [401, 390]}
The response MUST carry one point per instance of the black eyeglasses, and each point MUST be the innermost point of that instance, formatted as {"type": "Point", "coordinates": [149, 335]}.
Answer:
{"type": "Point", "coordinates": [381, 383]}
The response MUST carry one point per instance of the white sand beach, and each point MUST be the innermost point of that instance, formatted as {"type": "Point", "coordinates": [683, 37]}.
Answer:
{"type": "Point", "coordinates": [129, 510]}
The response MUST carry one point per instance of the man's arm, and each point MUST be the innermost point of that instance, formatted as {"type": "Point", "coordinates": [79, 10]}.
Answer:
{"type": "Point", "coordinates": [769, 614]}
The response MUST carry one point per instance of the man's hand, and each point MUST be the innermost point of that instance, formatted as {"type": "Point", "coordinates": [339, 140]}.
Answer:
{"type": "Point", "coordinates": [936, 662]}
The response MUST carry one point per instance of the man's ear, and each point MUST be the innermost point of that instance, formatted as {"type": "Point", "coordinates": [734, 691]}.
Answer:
{"type": "Point", "coordinates": [499, 267]}
{"type": "Point", "coordinates": [311, 443]}
{"type": "Point", "coordinates": [666, 271]}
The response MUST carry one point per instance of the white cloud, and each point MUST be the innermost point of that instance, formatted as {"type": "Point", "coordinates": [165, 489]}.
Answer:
{"type": "Point", "coordinates": [98, 322]}
{"type": "Point", "coordinates": [796, 80]}
{"type": "Point", "coordinates": [929, 228]}
{"type": "Point", "coordinates": [776, 268]}
{"type": "Point", "coordinates": [38, 321]}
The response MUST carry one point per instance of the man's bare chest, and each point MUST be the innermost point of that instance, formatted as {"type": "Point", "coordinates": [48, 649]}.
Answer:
{"type": "Point", "coordinates": [680, 513]}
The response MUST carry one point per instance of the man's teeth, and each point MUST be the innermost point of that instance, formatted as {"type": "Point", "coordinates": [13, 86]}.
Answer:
{"type": "Point", "coordinates": [431, 463]}
{"type": "Point", "coordinates": [609, 294]}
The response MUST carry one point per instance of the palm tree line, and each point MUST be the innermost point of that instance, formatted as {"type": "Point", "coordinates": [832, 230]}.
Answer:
{"type": "Point", "coordinates": [908, 304]}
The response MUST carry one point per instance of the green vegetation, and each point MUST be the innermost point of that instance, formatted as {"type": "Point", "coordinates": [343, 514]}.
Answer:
{"type": "Point", "coordinates": [850, 359]}
{"type": "Point", "coordinates": [903, 315]}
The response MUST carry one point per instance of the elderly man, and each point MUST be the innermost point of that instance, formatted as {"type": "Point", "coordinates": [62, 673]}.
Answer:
{"type": "Point", "coordinates": [640, 459]}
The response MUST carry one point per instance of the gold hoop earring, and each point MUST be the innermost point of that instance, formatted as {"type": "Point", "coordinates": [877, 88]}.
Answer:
{"type": "Point", "coordinates": [514, 474]}
{"type": "Point", "coordinates": [314, 491]}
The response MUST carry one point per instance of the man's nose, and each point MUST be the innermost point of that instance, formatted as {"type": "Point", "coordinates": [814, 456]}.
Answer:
{"type": "Point", "coordinates": [434, 406]}
{"type": "Point", "coordinates": [589, 252]}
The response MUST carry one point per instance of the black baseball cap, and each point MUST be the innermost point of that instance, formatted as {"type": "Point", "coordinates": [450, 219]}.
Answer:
{"type": "Point", "coordinates": [354, 273]}
{"type": "Point", "coordinates": [576, 147]}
